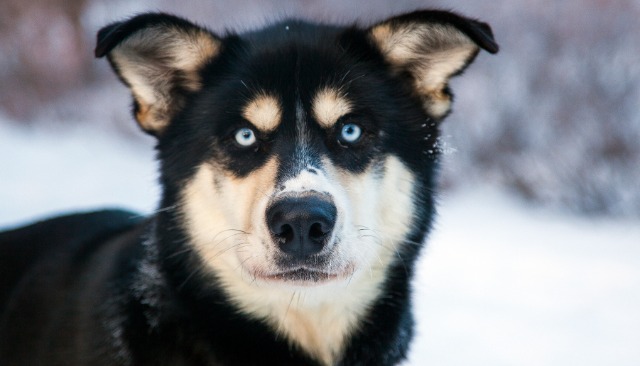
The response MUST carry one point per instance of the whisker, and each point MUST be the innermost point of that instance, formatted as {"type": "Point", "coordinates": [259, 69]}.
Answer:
{"type": "Point", "coordinates": [289, 306]}
{"type": "Point", "coordinates": [215, 255]}
{"type": "Point", "coordinates": [262, 192]}
{"type": "Point", "coordinates": [165, 209]}
{"type": "Point", "coordinates": [224, 231]}
{"type": "Point", "coordinates": [187, 249]}
{"type": "Point", "coordinates": [378, 241]}
{"type": "Point", "coordinates": [187, 279]}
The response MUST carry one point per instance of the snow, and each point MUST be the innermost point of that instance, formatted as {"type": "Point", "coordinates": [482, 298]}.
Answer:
{"type": "Point", "coordinates": [504, 284]}
{"type": "Point", "coordinates": [500, 283]}
{"type": "Point", "coordinates": [69, 167]}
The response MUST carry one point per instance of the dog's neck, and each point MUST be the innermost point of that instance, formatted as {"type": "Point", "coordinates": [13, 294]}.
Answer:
{"type": "Point", "coordinates": [319, 320]}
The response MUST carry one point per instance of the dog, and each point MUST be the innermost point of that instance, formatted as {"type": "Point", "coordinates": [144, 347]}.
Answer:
{"type": "Point", "coordinates": [298, 165]}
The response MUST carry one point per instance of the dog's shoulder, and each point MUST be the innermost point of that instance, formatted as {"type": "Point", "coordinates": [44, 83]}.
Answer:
{"type": "Point", "coordinates": [75, 226]}
{"type": "Point", "coordinates": [26, 245]}
{"type": "Point", "coordinates": [66, 262]}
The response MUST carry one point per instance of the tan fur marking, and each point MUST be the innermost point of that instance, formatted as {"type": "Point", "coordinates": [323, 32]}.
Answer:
{"type": "Point", "coordinates": [437, 103]}
{"type": "Point", "coordinates": [150, 58]}
{"type": "Point", "coordinates": [398, 44]}
{"type": "Point", "coordinates": [190, 52]}
{"type": "Point", "coordinates": [264, 112]}
{"type": "Point", "coordinates": [381, 34]}
{"type": "Point", "coordinates": [396, 203]}
{"type": "Point", "coordinates": [142, 115]}
{"type": "Point", "coordinates": [432, 53]}
{"type": "Point", "coordinates": [328, 106]}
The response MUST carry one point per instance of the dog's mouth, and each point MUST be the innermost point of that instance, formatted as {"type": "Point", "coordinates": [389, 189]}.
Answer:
{"type": "Point", "coordinates": [304, 276]}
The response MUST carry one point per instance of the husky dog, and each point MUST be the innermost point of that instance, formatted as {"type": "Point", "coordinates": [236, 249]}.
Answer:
{"type": "Point", "coordinates": [297, 163]}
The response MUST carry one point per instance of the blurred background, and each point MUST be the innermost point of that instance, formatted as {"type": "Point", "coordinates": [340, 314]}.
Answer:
{"type": "Point", "coordinates": [535, 258]}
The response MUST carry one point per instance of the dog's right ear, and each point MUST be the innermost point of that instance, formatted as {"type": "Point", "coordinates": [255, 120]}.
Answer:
{"type": "Point", "coordinates": [159, 57]}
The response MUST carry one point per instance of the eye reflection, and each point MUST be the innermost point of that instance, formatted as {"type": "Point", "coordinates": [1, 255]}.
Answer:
{"type": "Point", "coordinates": [350, 133]}
{"type": "Point", "coordinates": [245, 137]}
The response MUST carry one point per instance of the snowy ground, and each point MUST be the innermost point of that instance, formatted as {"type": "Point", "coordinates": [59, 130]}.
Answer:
{"type": "Point", "coordinates": [500, 283]}
{"type": "Point", "coordinates": [505, 284]}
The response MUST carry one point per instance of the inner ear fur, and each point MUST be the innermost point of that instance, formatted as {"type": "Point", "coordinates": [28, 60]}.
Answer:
{"type": "Point", "coordinates": [432, 47]}
{"type": "Point", "coordinates": [159, 57]}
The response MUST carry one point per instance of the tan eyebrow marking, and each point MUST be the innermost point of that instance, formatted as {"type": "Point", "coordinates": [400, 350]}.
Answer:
{"type": "Point", "coordinates": [328, 106]}
{"type": "Point", "coordinates": [264, 112]}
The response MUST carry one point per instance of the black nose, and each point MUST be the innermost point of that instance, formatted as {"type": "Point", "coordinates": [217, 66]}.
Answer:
{"type": "Point", "coordinates": [301, 225]}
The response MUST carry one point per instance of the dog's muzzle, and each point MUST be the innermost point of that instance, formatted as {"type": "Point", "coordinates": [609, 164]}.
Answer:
{"type": "Point", "coordinates": [301, 226]}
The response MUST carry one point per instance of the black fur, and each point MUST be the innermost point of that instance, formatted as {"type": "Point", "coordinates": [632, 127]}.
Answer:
{"type": "Point", "coordinates": [106, 288]}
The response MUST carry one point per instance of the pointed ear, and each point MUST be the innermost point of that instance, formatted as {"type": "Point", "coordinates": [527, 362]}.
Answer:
{"type": "Point", "coordinates": [431, 47]}
{"type": "Point", "coordinates": [159, 57]}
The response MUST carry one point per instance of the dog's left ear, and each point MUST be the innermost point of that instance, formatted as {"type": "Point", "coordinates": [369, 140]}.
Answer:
{"type": "Point", "coordinates": [431, 47]}
{"type": "Point", "coordinates": [159, 57]}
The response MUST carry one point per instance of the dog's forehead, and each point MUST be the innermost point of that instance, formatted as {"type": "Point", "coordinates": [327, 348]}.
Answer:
{"type": "Point", "coordinates": [294, 65]}
{"type": "Point", "coordinates": [292, 31]}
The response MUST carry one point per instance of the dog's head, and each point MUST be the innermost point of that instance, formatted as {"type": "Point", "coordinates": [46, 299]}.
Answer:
{"type": "Point", "coordinates": [299, 157]}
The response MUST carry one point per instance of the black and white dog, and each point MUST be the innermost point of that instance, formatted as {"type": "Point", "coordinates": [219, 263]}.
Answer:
{"type": "Point", "coordinates": [297, 163]}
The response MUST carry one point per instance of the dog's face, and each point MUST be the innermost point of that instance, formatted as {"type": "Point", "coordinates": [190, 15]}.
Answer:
{"type": "Point", "coordinates": [305, 182]}
{"type": "Point", "coordinates": [299, 158]}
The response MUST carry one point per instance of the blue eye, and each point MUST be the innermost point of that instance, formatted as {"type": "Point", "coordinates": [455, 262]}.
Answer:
{"type": "Point", "coordinates": [350, 133]}
{"type": "Point", "coordinates": [245, 137]}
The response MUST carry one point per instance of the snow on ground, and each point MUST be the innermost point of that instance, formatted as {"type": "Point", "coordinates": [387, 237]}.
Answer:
{"type": "Point", "coordinates": [69, 168]}
{"type": "Point", "coordinates": [504, 284]}
{"type": "Point", "coordinates": [499, 284]}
